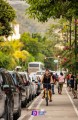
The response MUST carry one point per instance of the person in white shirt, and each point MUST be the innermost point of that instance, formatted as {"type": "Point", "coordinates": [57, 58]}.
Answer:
{"type": "Point", "coordinates": [61, 82]}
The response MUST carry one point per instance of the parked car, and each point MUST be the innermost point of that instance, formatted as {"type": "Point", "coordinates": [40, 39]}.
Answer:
{"type": "Point", "coordinates": [6, 96]}
{"type": "Point", "coordinates": [34, 87]}
{"type": "Point", "coordinates": [26, 87]}
{"type": "Point", "coordinates": [33, 76]}
{"type": "Point", "coordinates": [17, 94]}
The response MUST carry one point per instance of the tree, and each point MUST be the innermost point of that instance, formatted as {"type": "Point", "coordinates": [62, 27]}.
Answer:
{"type": "Point", "coordinates": [30, 44]}
{"type": "Point", "coordinates": [4, 60]}
{"type": "Point", "coordinates": [45, 9]}
{"type": "Point", "coordinates": [7, 15]}
{"type": "Point", "coordinates": [8, 50]}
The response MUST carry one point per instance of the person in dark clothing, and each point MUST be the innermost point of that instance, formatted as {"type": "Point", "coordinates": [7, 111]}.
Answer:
{"type": "Point", "coordinates": [75, 87]}
{"type": "Point", "coordinates": [46, 80]}
{"type": "Point", "coordinates": [72, 78]}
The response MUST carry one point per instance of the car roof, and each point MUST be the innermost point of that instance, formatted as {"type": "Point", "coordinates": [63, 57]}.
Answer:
{"type": "Point", "coordinates": [3, 70]}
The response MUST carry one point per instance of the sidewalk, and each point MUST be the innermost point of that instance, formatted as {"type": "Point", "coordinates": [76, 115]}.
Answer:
{"type": "Point", "coordinates": [61, 108]}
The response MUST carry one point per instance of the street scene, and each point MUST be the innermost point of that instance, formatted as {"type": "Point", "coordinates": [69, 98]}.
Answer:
{"type": "Point", "coordinates": [38, 59]}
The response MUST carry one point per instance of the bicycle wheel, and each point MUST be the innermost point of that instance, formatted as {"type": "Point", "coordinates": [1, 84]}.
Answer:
{"type": "Point", "coordinates": [46, 97]}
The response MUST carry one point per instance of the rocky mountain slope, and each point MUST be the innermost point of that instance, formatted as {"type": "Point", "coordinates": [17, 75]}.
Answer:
{"type": "Point", "coordinates": [27, 24]}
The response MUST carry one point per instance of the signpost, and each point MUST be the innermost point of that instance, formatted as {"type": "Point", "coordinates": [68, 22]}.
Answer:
{"type": "Point", "coordinates": [56, 61]}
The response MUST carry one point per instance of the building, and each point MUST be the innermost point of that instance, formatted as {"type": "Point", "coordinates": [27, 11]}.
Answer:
{"type": "Point", "coordinates": [16, 34]}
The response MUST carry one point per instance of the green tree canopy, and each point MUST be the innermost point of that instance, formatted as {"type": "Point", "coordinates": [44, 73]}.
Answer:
{"type": "Point", "coordinates": [7, 15]}
{"type": "Point", "coordinates": [30, 44]}
{"type": "Point", "coordinates": [45, 9]}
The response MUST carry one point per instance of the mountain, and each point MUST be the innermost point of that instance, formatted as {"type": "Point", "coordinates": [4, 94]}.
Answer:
{"type": "Point", "coordinates": [27, 24]}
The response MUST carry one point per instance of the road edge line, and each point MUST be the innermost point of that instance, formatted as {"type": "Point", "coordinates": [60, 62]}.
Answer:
{"type": "Point", "coordinates": [22, 117]}
{"type": "Point", "coordinates": [72, 102]}
{"type": "Point", "coordinates": [31, 117]}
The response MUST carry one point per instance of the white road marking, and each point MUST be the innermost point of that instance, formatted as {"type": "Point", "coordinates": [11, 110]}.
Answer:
{"type": "Point", "coordinates": [72, 102]}
{"type": "Point", "coordinates": [22, 117]}
{"type": "Point", "coordinates": [36, 108]}
{"type": "Point", "coordinates": [34, 101]}
{"type": "Point", "coordinates": [30, 107]}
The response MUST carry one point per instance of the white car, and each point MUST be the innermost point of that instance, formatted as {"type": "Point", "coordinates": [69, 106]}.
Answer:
{"type": "Point", "coordinates": [39, 74]}
{"type": "Point", "coordinates": [34, 87]}
{"type": "Point", "coordinates": [33, 76]}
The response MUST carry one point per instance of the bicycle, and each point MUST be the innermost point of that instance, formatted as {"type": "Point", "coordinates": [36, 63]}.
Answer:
{"type": "Point", "coordinates": [46, 93]}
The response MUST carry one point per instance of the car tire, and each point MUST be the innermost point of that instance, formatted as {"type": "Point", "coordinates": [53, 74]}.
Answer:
{"type": "Point", "coordinates": [18, 114]}
{"type": "Point", "coordinates": [24, 103]}
{"type": "Point", "coordinates": [5, 115]}
{"type": "Point", "coordinates": [30, 98]}
{"type": "Point", "coordinates": [10, 110]}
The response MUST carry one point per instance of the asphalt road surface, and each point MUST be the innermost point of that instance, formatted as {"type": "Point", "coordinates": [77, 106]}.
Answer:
{"type": "Point", "coordinates": [63, 107]}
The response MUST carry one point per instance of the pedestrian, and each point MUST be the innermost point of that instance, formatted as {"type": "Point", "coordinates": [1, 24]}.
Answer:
{"type": "Point", "coordinates": [47, 80]}
{"type": "Point", "coordinates": [72, 78]}
{"type": "Point", "coordinates": [69, 81]}
{"type": "Point", "coordinates": [39, 82]}
{"type": "Point", "coordinates": [61, 82]}
{"type": "Point", "coordinates": [56, 81]}
{"type": "Point", "coordinates": [53, 77]}
{"type": "Point", "coordinates": [75, 86]}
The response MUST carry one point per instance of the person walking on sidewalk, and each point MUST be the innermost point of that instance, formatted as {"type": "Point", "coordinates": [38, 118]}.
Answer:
{"type": "Point", "coordinates": [53, 77]}
{"type": "Point", "coordinates": [75, 86]}
{"type": "Point", "coordinates": [69, 81]}
{"type": "Point", "coordinates": [61, 82]}
{"type": "Point", "coordinates": [46, 80]}
{"type": "Point", "coordinates": [72, 79]}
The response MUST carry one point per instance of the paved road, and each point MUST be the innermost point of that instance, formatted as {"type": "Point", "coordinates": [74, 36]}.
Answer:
{"type": "Point", "coordinates": [62, 108]}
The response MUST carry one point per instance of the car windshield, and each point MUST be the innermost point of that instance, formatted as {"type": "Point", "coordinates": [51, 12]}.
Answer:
{"type": "Point", "coordinates": [33, 65]}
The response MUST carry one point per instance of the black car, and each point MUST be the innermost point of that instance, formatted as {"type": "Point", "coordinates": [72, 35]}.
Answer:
{"type": "Point", "coordinates": [17, 94]}
{"type": "Point", "coordinates": [6, 96]}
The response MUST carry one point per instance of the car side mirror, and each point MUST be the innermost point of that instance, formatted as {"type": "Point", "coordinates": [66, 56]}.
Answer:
{"type": "Point", "coordinates": [8, 88]}
{"type": "Point", "coordinates": [5, 87]}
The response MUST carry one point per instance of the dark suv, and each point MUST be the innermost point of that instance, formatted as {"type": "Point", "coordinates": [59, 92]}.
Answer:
{"type": "Point", "coordinates": [6, 96]}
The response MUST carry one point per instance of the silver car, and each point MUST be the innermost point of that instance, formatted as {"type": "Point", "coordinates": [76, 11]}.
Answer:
{"type": "Point", "coordinates": [6, 96]}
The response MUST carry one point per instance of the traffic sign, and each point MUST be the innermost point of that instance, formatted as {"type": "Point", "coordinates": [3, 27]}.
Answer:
{"type": "Point", "coordinates": [56, 61]}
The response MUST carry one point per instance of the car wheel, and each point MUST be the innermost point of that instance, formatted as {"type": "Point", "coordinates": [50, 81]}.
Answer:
{"type": "Point", "coordinates": [30, 98]}
{"type": "Point", "coordinates": [24, 103]}
{"type": "Point", "coordinates": [18, 114]}
{"type": "Point", "coordinates": [10, 110]}
{"type": "Point", "coordinates": [5, 115]}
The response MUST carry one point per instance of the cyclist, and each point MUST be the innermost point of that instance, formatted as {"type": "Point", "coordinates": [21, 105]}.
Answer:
{"type": "Point", "coordinates": [46, 80]}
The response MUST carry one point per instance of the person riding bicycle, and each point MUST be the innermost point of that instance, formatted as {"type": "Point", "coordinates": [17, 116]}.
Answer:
{"type": "Point", "coordinates": [47, 80]}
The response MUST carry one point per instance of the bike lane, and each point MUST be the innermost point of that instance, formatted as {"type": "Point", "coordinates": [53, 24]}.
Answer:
{"type": "Point", "coordinates": [61, 108]}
